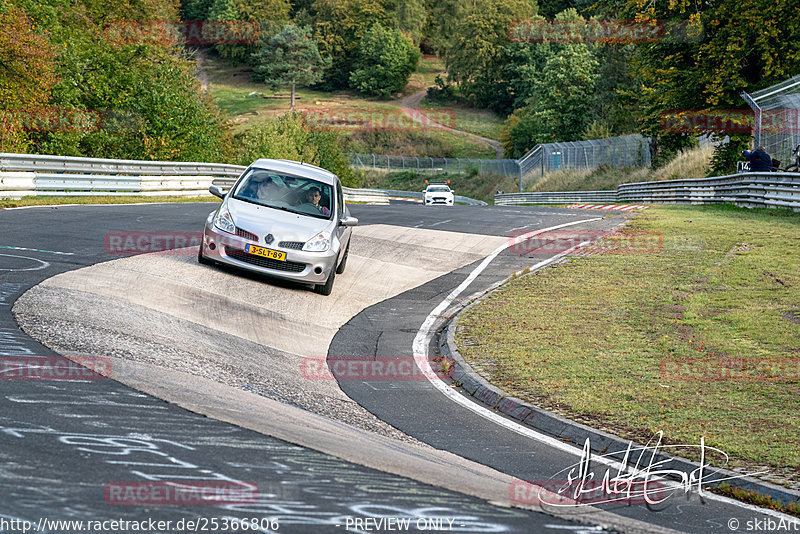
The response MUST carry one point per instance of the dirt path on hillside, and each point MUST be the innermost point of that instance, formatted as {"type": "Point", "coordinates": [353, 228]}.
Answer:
{"type": "Point", "coordinates": [202, 75]}
{"type": "Point", "coordinates": [410, 106]}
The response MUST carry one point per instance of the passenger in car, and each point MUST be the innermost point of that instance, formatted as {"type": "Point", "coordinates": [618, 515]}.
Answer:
{"type": "Point", "coordinates": [267, 189]}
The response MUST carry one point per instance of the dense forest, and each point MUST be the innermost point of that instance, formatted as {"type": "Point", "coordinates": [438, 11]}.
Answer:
{"type": "Point", "coordinates": [117, 78]}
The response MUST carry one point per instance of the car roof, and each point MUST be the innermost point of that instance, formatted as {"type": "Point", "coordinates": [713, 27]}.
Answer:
{"type": "Point", "coordinates": [295, 168]}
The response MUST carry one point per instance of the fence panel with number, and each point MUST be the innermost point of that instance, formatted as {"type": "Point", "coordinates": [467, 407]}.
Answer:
{"type": "Point", "coordinates": [776, 127]}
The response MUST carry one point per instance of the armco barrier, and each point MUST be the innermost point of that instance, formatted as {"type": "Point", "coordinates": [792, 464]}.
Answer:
{"type": "Point", "coordinates": [752, 189]}
{"type": "Point", "coordinates": [562, 197]}
{"type": "Point", "coordinates": [43, 175]}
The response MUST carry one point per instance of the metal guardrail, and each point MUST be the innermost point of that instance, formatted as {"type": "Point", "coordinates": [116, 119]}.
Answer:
{"type": "Point", "coordinates": [559, 197]}
{"type": "Point", "coordinates": [43, 175]}
{"type": "Point", "coordinates": [752, 189]}
{"type": "Point", "coordinates": [74, 165]}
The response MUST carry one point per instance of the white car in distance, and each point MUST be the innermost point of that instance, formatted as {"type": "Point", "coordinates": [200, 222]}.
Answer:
{"type": "Point", "coordinates": [438, 193]}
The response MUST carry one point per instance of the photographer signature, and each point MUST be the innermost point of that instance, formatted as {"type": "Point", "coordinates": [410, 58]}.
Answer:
{"type": "Point", "coordinates": [646, 480]}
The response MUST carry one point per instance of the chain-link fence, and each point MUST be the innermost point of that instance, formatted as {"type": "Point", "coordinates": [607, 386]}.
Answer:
{"type": "Point", "coordinates": [617, 152]}
{"type": "Point", "coordinates": [776, 111]}
{"type": "Point", "coordinates": [504, 167]}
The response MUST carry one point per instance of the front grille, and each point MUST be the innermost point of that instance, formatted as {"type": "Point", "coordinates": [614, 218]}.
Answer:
{"type": "Point", "coordinates": [268, 263]}
{"type": "Point", "coordinates": [296, 245]}
{"type": "Point", "coordinates": [247, 235]}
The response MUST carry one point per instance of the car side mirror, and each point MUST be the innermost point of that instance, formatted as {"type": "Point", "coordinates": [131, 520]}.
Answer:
{"type": "Point", "coordinates": [348, 221]}
{"type": "Point", "coordinates": [216, 191]}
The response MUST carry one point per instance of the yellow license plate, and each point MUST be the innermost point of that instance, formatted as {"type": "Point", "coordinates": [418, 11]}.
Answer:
{"type": "Point", "coordinates": [265, 252]}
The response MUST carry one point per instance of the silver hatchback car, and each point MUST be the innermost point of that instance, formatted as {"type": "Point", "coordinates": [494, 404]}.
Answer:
{"type": "Point", "coordinates": [284, 219]}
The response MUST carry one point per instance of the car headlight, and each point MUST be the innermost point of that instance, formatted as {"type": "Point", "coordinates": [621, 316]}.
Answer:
{"type": "Point", "coordinates": [224, 221]}
{"type": "Point", "coordinates": [319, 243]}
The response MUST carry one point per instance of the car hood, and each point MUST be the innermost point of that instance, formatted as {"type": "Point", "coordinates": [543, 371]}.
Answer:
{"type": "Point", "coordinates": [283, 225]}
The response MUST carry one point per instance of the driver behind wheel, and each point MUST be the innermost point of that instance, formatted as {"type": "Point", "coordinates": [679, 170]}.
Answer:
{"type": "Point", "coordinates": [313, 197]}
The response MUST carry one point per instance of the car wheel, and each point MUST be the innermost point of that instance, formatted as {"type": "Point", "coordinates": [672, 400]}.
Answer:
{"type": "Point", "coordinates": [327, 287]}
{"type": "Point", "coordinates": [340, 268]}
{"type": "Point", "coordinates": [200, 258]}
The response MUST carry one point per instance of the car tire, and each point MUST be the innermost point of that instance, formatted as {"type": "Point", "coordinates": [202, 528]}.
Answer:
{"type": "Point", "coordinates": [327, 287]}
{"type": "Point", "coordinates": [200, 258]}
{"type": "Point", "coordinates": [343, 264]}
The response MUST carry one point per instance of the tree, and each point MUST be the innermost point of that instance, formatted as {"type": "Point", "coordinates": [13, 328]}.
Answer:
{"type": "Point", "coordinates": [339, 26]}
{"type": "Point", "coordinates": [26, 75]}
{"type": "Point", "coordinates": [386, 59]}
{"type": "Point", "coordinates": [266, 14]}
{"type": "Point", "coordinates": [443, 16]}
{"type": "Point", "coordinates": [409, 17]}
{"type": "Point", "coordinates": [562, 98]}
{"type": "Point", "coordinates": [717, 50]}
{"type": "Point", "coordinates": [290, 57]}
{"type": "Point", "coordinates": [477, 54]}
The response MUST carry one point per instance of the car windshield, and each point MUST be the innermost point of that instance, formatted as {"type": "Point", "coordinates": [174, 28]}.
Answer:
{"type": "Point", "coordinates": [290, 193]}
{"type": "Point", "coordinates": [440, 189]}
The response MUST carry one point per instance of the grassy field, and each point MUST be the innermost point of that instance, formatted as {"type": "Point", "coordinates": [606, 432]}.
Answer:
{"type": "Point", "coordinates": [698, 336]}
{"type": "Point", "coordinates": [48, 201]}
{"type": "Point", "coordinates": [356, 117]}
{"type": "Point", "coordinates": [427, 69]}
{"type": "Point", "coordinates": [690, 164]}
{"type": "Point", "coordinates": [481, 122]}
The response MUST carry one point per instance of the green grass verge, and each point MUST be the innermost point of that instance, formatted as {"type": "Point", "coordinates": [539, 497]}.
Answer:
{"type": "Point", "coordinates": [47, 201]}
{"type": "Point", "coordinates": [592, 338]}
{"type": "Point", "coordinates": [480, 187]}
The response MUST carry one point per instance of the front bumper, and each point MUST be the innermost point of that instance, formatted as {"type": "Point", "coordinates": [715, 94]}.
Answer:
{"type": "Point", "coordinates": [308, 267]}
{"type": "Point", "coordinates": [441, 201]}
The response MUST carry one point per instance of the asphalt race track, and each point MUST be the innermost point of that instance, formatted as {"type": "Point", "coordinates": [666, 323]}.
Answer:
{"type": "Point", "coordinates": [327, 458]}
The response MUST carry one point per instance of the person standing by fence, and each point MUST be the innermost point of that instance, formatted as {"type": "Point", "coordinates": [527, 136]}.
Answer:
{"type": "Point", "coordinates": [759, 160]}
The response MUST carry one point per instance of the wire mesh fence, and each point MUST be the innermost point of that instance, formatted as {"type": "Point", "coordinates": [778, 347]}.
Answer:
{"type": "Point", "coordinates": [504, 167]}
{"type": "Point", "coordinates": [617, 152]}
{"type": "Point", "coordinates": [776, 111]}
